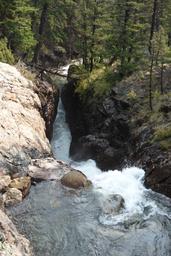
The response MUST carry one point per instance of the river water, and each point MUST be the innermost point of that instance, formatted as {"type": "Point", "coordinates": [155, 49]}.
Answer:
{"type": "Point", "coordinates": [64, 222]}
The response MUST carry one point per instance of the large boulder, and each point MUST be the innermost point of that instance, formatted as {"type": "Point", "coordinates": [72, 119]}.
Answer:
{"type": "Point", "coordinates": [22, 129]}
{"type": "Point", "coordinates": [75, 179]}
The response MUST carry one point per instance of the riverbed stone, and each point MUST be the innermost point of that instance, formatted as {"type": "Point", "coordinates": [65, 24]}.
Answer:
{"type": "Point", "coordinates": [75, 179]}
{"type": "Point", "coordinates": [4, 182]}
{"type": "Point", "coordinates": [22, 183]}
{"type": "Point", "coordinates": [113, 205]}
{"type": "Point", "coordinates": [12, 196]}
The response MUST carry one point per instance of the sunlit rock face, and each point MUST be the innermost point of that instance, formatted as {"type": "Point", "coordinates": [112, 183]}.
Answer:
{"type": "Point", "coordinates": [22, 129]}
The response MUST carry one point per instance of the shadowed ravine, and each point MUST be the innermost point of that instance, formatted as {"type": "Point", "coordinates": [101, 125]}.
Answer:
{"type": "Point", "coordinates": [64, 222]}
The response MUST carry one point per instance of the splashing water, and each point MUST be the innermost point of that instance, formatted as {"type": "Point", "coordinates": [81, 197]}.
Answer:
{"type": "Point", "coordinates": [128, 183]}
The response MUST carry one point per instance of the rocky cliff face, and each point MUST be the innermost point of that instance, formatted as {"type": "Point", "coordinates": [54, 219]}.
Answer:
{"type": "Point", "coordinates": [120, 129]}
{"type": "Point", "coordinates": [49, 96]}
{"type": "Point", "coordinates": [22, 129]}
{"type": "Point", "coordinates": [99, 129]}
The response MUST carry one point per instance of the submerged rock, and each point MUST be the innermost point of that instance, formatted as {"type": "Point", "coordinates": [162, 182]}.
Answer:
{"type": "Point", "coordinates": [75, 179]}
{"type": "Point", "coordinates": [113, 205]}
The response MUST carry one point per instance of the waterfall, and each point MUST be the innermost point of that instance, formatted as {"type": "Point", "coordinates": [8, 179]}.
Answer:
{"type": "Point", "coordinates": [61, 136]}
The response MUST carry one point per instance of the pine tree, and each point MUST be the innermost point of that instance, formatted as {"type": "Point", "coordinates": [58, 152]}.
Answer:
{"type": "Point", "coordinates": [15, 25]}
{"type": "Point", "coordinates": [130, 31]}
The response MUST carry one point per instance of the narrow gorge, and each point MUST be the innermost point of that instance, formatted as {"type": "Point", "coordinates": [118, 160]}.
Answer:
{"type": "Point", "coordinates": [109, 214]}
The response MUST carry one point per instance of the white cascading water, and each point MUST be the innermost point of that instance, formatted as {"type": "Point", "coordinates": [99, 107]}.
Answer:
{"type": "Point", "coordinates": [128, 183]}
{"type": "Point", "coordinates": [61, 137]}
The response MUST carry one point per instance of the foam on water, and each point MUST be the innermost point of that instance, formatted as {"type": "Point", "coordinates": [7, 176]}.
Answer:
{"type": "Point", "coordinates": [128, 183]}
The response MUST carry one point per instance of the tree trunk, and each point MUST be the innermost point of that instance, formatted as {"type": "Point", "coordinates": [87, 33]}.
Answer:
{"type": "Point", "coordinates": [161, 78]}
{"type": "Point", "coordinates": [43, 20]}
{"type": "Point", "coordinates": [93, 41]}
{"type": "Point", "coordinates": [124, 39]}
{"type": "Point", "coordinates": [151, 83]}
{"type": "Point", "coordinates": [154, 22]}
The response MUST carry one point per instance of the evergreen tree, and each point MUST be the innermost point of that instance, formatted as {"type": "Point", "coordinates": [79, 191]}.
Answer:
{"type": "Point", "coordinates": [15, 25]}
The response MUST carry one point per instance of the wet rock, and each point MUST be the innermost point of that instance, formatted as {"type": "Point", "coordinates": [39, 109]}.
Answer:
{"type": "Point", "coordinates": [49, 97]}
{"type": "Point", "coordinates": [12, 196]}
{"type": "Point", "coordinates": [11, 242]}
{"type": "Point", "coordinates": [154, 160]}
{"type": "Point", "coordinates": [75, 179]}
{"type": "Point", "coordinates": [113, 205]}
{"type": "Point", "coordinates": [47, 169]}
{"type": "Point", "coordinates": [23, 184]}
{"type": "Point", "coordinates": [4, 182]}
{"type": "Point", "coordinates": [99, 149]}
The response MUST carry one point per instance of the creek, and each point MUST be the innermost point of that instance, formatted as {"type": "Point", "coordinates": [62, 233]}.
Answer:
{"type": "Point", "coordinates": [63, 222]}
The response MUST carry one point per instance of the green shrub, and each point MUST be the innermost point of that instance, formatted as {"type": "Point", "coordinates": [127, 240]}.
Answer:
{"type": "Point", "coordinates": [5, 53]}
{"type": "Point", "coordinates": [162, 133]}
{"type": "Point", "coordinates": [99, 81]}
{"type": "Point", "coordinates": [166, 144]}
{"type": "Point", "coordinates": [132, 95]}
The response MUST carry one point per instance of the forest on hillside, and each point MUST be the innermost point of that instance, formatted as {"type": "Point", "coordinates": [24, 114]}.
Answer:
{"type": "Point", "coordinates": [129, 35]}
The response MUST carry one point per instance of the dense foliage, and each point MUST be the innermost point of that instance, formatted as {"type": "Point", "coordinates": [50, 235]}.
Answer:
{"type": "Point", "coordinates": [128, 34]}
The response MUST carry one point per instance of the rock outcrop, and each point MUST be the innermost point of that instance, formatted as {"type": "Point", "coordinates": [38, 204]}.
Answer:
{"type": "Point", "coordinates": [99, 129]}
{"type": "Point", "coordinates": [49, 96]}
{"type": "Point", "coordinates": [11, 242]}
{"type": "Point", "coordinates": [22, 129]}
{"type": "Point", "coordinates": [47, 169]}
